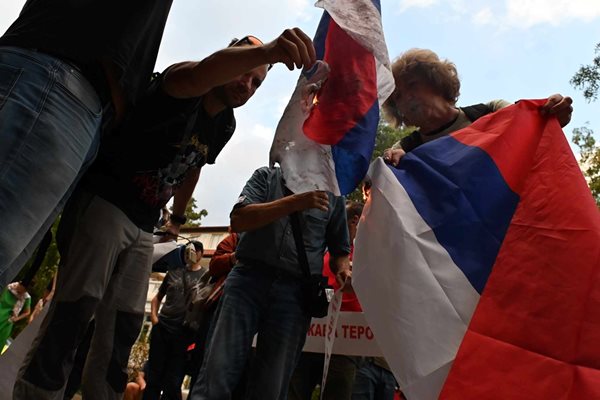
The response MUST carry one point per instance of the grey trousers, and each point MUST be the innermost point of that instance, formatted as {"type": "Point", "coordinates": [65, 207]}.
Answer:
{"type": "Point", "coordinates": [105, 266]}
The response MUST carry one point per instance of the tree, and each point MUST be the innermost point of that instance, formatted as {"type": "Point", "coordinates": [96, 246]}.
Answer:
{"type": "Point", "coordinates": [385, 138]}
{"type": "Point", "coordinates": [193, 216]}
{"type": "Point", "coordinates": [588, 80]}
{"type": "Point", "coordinates": [590, 158]}
{"type": "Point", "coordinates": [588, 77]}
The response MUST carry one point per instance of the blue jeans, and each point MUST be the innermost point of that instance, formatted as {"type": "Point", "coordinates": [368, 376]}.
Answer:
{"type": "Point", "coordinates": [50, 119]}
{"type": "Point", "coordinates": [255, 300]}
{"type": "Point", "coordinates": [373, 382]}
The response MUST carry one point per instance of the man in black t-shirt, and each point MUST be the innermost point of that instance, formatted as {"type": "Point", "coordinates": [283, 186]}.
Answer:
{"type": "Point", "coordinates": [105, 237]}
{"type": "Point", "coordinates": [66, 69]}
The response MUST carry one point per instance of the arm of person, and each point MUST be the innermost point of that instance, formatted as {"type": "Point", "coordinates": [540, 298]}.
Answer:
{"type": "Point", "coordinates": [338, 242]}
{"type": "Point", "coordinates": [24, 314]}
{"type": "Point", "coordinates": [224, 257]}
{"type": "Point", "coordinates": [180, 201]}
{"type": "Point", "coordinates": [254, 216]}
{"type": "Point", "coordinates": [195, 78]}
{"type": "Point", "coordinates": [154, 306]}
{"type": "Point", "coordinates": [340, 266]}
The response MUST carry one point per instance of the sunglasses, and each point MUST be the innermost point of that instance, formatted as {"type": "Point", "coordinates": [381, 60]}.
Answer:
{"type": "Point", "coordinates": [249, 40]}
{"type": "Point", "coordinates": [252, 40]}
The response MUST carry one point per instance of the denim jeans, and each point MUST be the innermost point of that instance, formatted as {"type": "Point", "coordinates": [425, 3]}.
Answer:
{"type": "Point", "coordinates": [373, 382]}
{"type": "Point", "coordinates": [255, 300]}
{"type": "Point", "coordinates": [50, 119]}
{"type": "Point", "coordinates": [309, 374]}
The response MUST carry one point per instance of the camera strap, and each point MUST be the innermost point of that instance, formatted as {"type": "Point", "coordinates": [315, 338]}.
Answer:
{"type": "Point", "coordinates": [297, 232]}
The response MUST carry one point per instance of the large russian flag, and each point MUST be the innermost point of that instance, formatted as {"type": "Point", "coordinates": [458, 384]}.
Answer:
{"type": "Point", "coordinates": [477, 263]}
{"type": "Point", "coordinates": [326, 136]}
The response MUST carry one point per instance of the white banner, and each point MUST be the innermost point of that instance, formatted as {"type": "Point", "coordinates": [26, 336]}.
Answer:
{"type": "Point", "coordinates": [353, 336]}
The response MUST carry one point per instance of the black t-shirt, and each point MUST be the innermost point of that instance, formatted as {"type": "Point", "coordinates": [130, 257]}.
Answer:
{"type": "Point", "coordinates": [142, 164]}
{"type": "Point", "coordinates": [127, 32]}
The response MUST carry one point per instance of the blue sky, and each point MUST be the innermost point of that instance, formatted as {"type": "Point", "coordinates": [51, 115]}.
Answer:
{"type": "Point", "coordinates": [509, 49]}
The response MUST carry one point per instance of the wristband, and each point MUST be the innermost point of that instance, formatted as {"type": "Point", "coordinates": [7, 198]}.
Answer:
{"type": "Point", "coordinates": [178, 219]}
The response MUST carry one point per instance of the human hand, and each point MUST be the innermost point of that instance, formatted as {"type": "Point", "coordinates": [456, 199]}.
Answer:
{"type": "Point", "coordinates": [171, 231]}
{"type": "Point", "coordinates": [393, 156]}
{"type": "Point", "coordinates": [315, 199]}
{"type": "Point", "coordinates": [560, 107]}
{"type": "Point", "coordinates": [153, 319]}
{"type": "Point", "coordinates": [293, 48]}
{"type": "Point", "coordinates": [344, 279]}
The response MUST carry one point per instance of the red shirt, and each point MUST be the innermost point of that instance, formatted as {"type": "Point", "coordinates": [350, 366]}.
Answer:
{"type": "Point", "coordinates": [349, 300]}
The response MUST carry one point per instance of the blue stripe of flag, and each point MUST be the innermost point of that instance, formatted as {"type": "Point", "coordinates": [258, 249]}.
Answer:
{"type": "Point", "coordinates": [352, 154]}
{"type": "Point", "coordinates": [461, 195]}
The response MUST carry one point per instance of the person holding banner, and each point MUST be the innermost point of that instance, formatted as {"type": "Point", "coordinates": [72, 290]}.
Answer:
{"type": "Point", "coordinates": [181, 124]}
{"type": "Point", "coordinates": [342, 368]}
{"type": "Point", "coordinates": [266, 292]}
{"type": "Point", "coordinates": [427, 89]}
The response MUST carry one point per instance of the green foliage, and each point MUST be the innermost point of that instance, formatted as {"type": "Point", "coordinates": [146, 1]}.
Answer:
{"type": "Point", "coordinates": [41, 279]}
{"type": "Point", "coordinates": [386, 137]}
{"type": "Point", "coordinates": [193, 216]}
{"type": "Point", "coordinates": [590, 158]}
{"type": "Point", "coordinates": [588, 80]}
{"type": "Point", "coordinates": [588, 77]}
{"type": "Point", "coordinates": [139, 353]}
{"type": "Point", "coordinates": [47, 269]}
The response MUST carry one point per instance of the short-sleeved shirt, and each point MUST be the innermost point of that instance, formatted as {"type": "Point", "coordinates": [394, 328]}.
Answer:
{"type": "Point", "coordinates": [142, 164]}
{"type": "Point", "coordinates": [83, 32]}
{"type": "Point", "coordinates": [273, 245]}
{"type": "Point", "coordinates": [172, 312]}
{"type": "Point", "coordinates": [461, 121]}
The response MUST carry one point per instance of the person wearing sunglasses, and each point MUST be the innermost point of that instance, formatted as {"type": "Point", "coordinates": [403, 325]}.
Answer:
{"type": "Point", "coordinates": [182, 122]}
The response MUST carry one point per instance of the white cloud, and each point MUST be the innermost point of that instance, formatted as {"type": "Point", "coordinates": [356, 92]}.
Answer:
{"type": "Point", "coordinates": [9, 10]}
{"type": "Point", "coordinates": [302, 9]}
{"type": "Point", "coordinates": [512, 13]}
{"type": "Point", "coordinates": [407, 4]}
{"type": "Point", "coordinates": [221, 184]}
{"type": "Point", "coordinates": [527, 13]}
{"type": "Point", "coordinates": [262, 132]}
{"type": "Point", "coordinates": [483, 17]}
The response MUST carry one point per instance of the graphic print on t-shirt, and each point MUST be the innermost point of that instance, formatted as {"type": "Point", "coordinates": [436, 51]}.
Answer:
{"type": "Point", "coordinates": [156, 187]}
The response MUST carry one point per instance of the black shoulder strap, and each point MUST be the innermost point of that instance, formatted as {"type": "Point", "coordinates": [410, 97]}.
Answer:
{"type": "Point", "coordinates": [476, 111]}
{"type": "Point", "coordinates": [300, 249]}
{"type": "Point", "coordinates": [411, 142]}
{"type": "Point", "coordinates": [297, 232]}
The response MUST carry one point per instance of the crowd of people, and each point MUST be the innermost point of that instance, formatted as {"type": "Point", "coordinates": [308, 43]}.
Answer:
{"type": "Point", "coordinates": [79, 95]}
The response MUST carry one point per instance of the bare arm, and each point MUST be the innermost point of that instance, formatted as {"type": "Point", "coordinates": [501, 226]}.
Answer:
{"type": "Point", "coordinates": [340, 266]}
{"type": "Point", "coordinates": [181, 199]}
{"type": "Point", "coordinates": [154, 306]}
{"type": "Point", "coordinates": [24, 314]}
{"type": "Point", "coordinates": [255, 216]}
{"type": "Point", "coordinates": [194, 78]}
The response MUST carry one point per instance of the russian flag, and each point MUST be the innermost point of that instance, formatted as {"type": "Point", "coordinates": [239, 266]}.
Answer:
{"type": "Point", "coordinates": [327, 133]}
{"type": "Point", "coordinates": [477, 263]}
